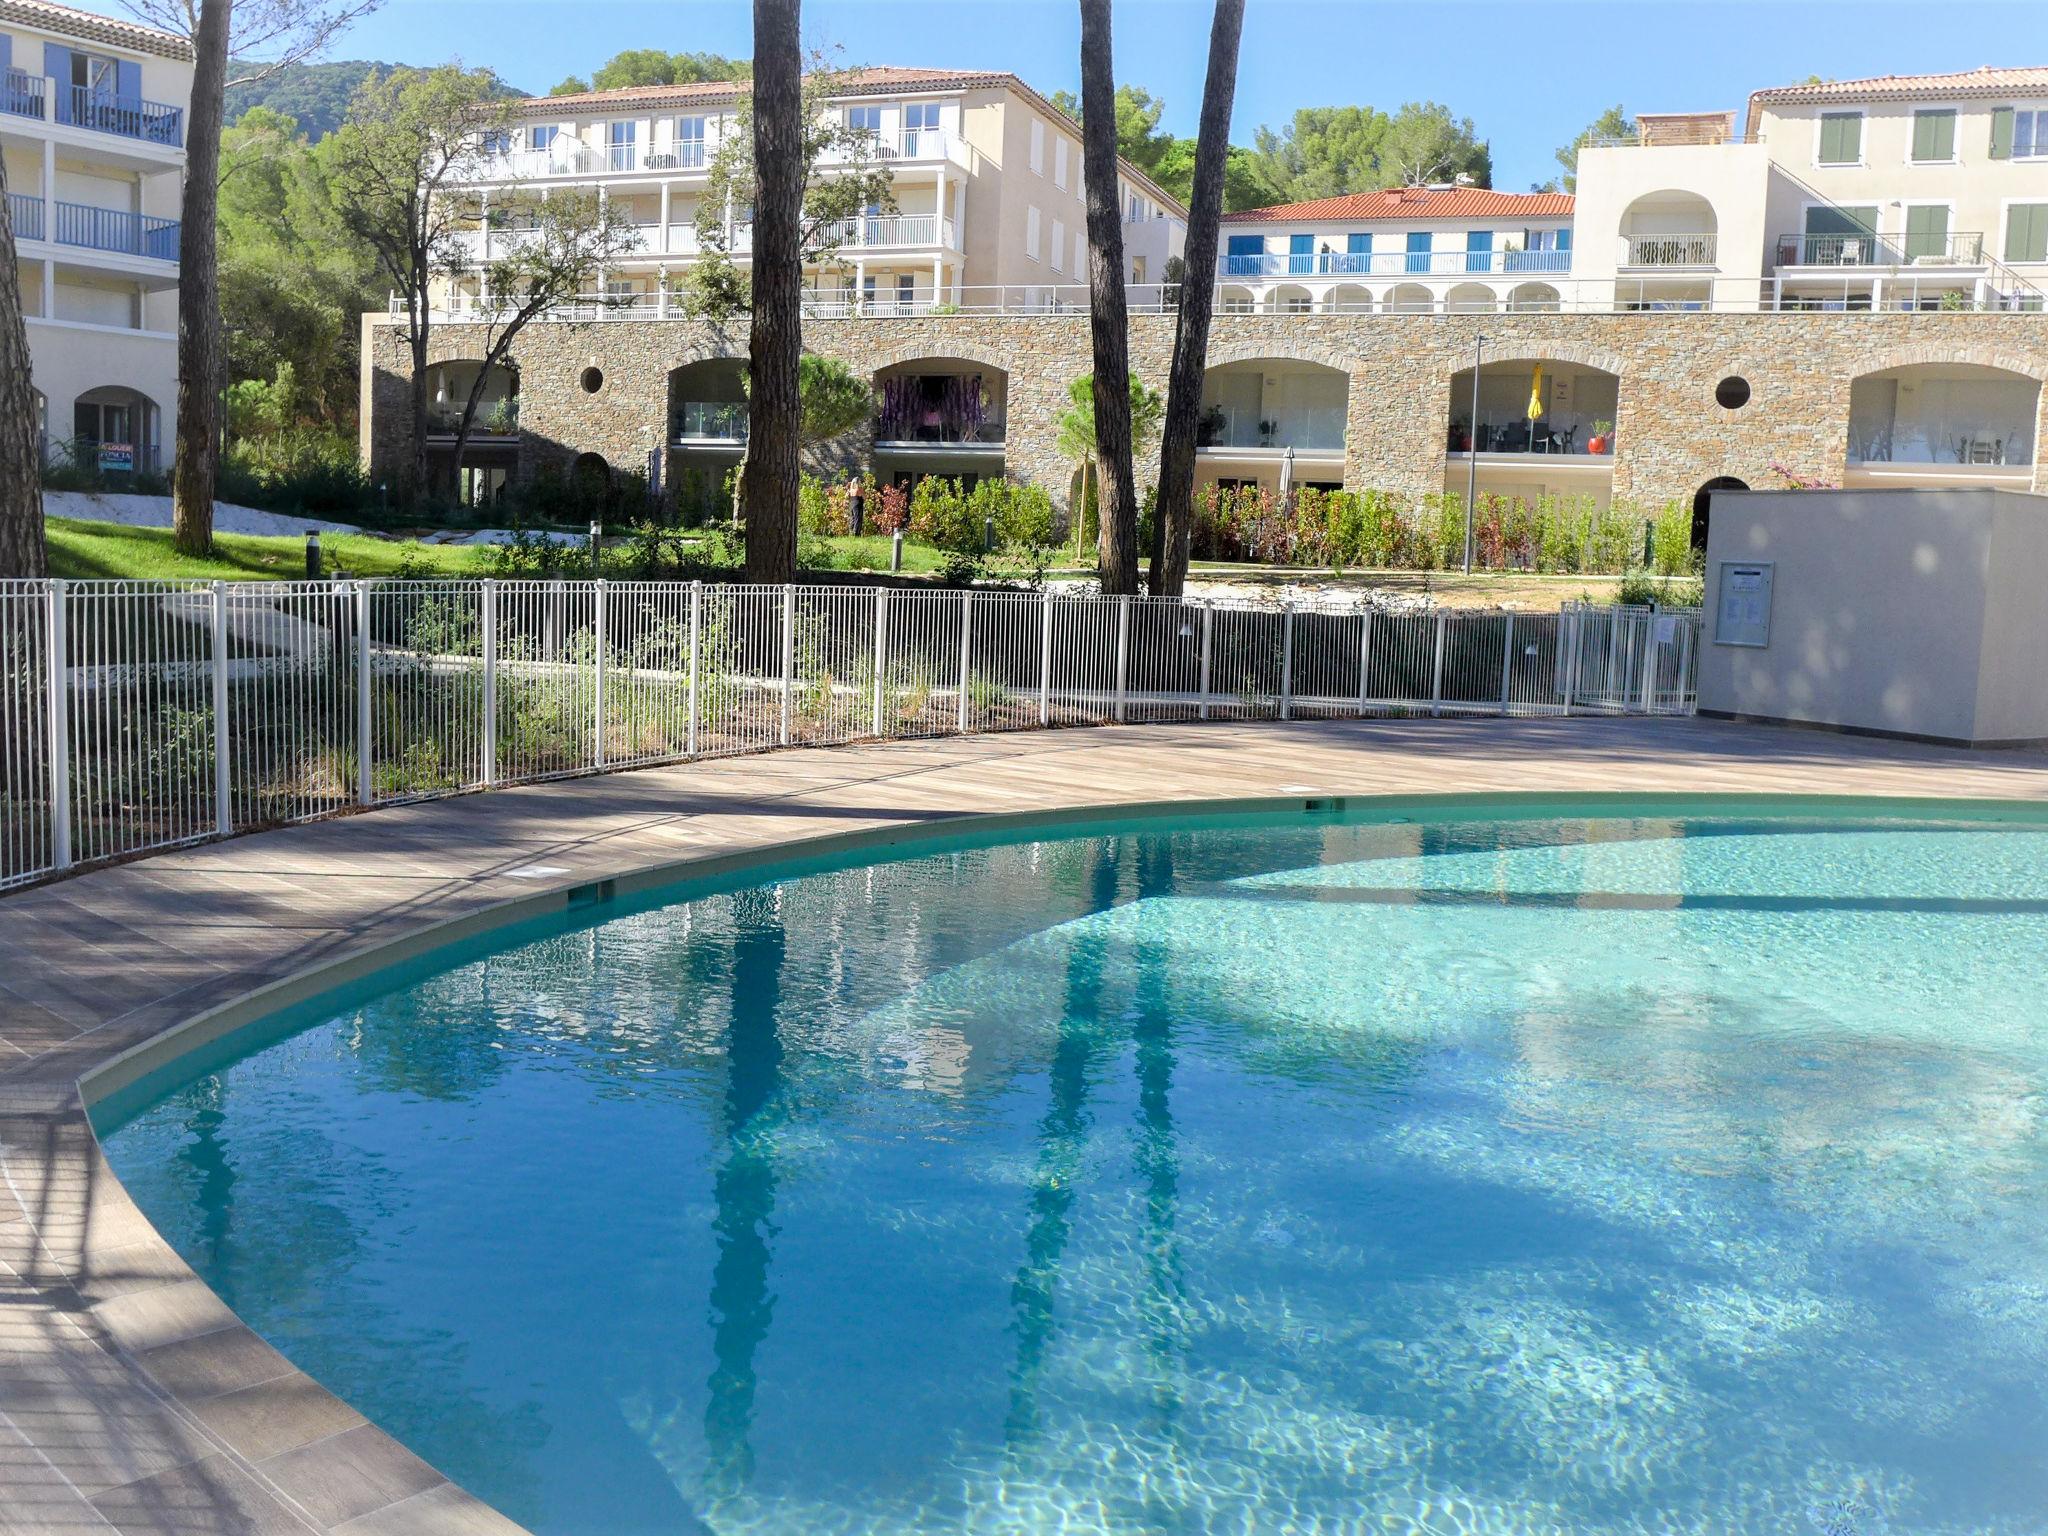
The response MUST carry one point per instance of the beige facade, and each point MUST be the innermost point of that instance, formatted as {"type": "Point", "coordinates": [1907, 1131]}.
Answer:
{"type": "Point", "coordinates": [92, 132]}
{"type": "Point", "coordinates": [985, 172]}
{"type": "Point", "coordinates": [1402, 381]}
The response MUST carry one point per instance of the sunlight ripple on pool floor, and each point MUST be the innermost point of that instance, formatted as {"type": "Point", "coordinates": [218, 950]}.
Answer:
{"type": "Point", "coordinates": [1516, 1176]}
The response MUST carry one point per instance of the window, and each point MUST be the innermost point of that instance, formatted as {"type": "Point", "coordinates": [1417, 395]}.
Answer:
{"type": "Point", "coordinates": [1418, 250]}
{"type": "Point", "coordinates": [906, 290]}
{"type": "Point", "coordinates": [1927, 231]}
{"type": "Point", "coordinates": [1137, 269]}
{"type": "Point", "coordinates": [497, 143]}
{"type": "Point", "coordinates": [1479, 250]}
{"type": "Point", "coordinates": [625, 153]}
{"type": "Point", "coordinates": [1037, 147]}
{"type": "Point", "coordinates": [921, 128]}
{"type": "Point", "coordinates": [542, 136]}
{"type": "Point", "coordinates": [1841, 138]}
{"type": "Point", "coordinates": [2019, 133]}
{"type": "Point", "coordinates": [689, 141]}
{"type": "Point", "coordinates": [1059, 244]}
{"type": "Point", "coordinates": [1245, 256]}
{"type": "Point", "coordinates": [2026, 232]}
{"type": "Point", "coordinates": [867, 292]}
{"type": "Point", "coordinates": [1837, 236]}
{"type": "Point", "coordinates": [1031, 233]}
{"type": "Point", "coordinates": [1080, 254]}
{"type": "Point", "coordinates": [1357, 253]}
{"type": "Point", "coordinates": [1934, 134]}
{"type": "Point", "coordinates": [865, 120]}
{"type": "Point", "coordinates": [1059, 163]}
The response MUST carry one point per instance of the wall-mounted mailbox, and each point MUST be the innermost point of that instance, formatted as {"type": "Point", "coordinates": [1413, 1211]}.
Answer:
{"type": "Point", "coordinates": [1743, 616]}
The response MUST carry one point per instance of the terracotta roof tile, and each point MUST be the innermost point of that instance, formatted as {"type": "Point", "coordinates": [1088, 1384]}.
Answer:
{"type": "Point", "coordinates": [1988, 80]}
{"type": "Point", "coordinates": [1409, 203]}
{"type": "Point", "coordinates": [92, 25]}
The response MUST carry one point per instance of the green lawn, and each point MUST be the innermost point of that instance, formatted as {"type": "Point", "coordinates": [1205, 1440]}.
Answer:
{"type": "Point", "coordinates": [81, 551]}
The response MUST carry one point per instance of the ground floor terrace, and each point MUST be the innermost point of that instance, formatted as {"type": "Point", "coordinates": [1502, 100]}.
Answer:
{"type": "Point", "coordinates": [136, 1400]}
{"type": "Point", "coordinates": [1642, 409]}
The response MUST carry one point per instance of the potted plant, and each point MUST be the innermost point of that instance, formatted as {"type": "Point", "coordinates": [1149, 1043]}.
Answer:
{"type": "Point", "coordinates": [1266, 431]}
{"type": "Point", "coordinates": [1602, 440]}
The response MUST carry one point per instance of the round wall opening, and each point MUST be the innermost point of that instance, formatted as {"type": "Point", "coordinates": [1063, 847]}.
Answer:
{"type": "Point", "coordinates": [593, 380]}
{"type": "Point", "coordinates": [1732, 393]}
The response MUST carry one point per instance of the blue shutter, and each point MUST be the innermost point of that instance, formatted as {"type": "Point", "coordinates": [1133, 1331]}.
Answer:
{"type": "Point", "coordinates": [1300, 253]}
{"type": "Point", "coordinates": [1478, 250]}
{"type": "Point", "coordinates": [128, 80]}
{"type": "Point", "coordinates": [1246, 256]}
{"type": "Point", "coordinates": [57, 65]}
{"type": "Point", "coordinates": [1358, 252]}
{"type": "Point", "coordinates": [6, 53]}
{"type": "Point", "coordinates": [1418, 250]}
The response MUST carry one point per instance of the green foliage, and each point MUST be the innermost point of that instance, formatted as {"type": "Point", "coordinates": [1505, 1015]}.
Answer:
{"type": "Point", "coordinates": [653, 66]}
{"type": "Point", "coordinates": [957, 522]}
{"type": "Point", "coordinates": [294, 282]}
{"type": "Point", "coordinates": [836, 400]}
{"type": "Point", "coordinates": [307, 471]}
{"type": "Point", "coordinates": [1614, 123]}
{"type": "Point", "coordinates": [1077, 421]}
{"type": "Point", "coordinates": [1329, 151]}
{"type": "Point", "coordinates": [315, 95]}
{"type": "Point", "coordinates": [1671, 551]}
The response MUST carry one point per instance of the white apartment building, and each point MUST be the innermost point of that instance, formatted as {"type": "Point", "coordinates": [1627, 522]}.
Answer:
{"type": "Point", "coordinates": [92, 127]}
{"type": "Point", "coordinates": [989, 214]}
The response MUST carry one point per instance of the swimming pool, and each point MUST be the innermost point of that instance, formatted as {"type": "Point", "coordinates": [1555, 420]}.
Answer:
{"type": "Point", "coordinates": [1501, 1174]}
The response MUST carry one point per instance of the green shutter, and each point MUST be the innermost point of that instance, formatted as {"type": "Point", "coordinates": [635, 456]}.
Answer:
{"type": "Point", "coordinates": [2026, 232]}
{"type": "Point", "coordinates": [1934, 135]}
{"type": "Point", "coordinates": [2001, 133]}
{"type": "Point", "coordinates": [1927, 231]}
{"type": "Point", "coordinates": [1841, 138]}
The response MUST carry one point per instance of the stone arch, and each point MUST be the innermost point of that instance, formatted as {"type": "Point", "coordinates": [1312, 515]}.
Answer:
{"type": "Point", "coordinates": [935, 343]}
{"type": "Point", "coordinates": [1945, 408]}
{"type": "Point", "coordinates": [1348, 298]}
{"type": "Point", "coordinates": [1253, 399]}
{"type": "Point", "coordinates": [941, 395]}
{"type": "Point", "coordinates": [1291, 350]}
{"type": "Point", "coordinates": [707, 400]}
{"type": "Point", "coordinates": [1567, 418]}
{"type": "Point", "coordinates": [1952, 354]}
{"type": "Point", "coordinates": [1535, 296]}
{"type": "Point", "coordinates": [1701, 502]}
{"type": "Point", "coordinates": [1548, 350]}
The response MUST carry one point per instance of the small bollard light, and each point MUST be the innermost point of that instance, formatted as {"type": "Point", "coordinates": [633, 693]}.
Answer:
{"type": "Point", "coordinates": [896, 550]}
{"type": "Point", "coordinates": [596, 545]}
{"type": "Point", "coordinates": [857, 508]}
{"type": "Point", "coordinates": [312, 554]}
{"type": "Point", "coordinates": [383, 499]}
{"type": "Point", "coordinates": [988, 536]}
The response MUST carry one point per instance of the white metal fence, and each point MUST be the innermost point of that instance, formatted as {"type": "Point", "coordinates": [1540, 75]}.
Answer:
{"type": "Point", "coordinates": [141, 715]}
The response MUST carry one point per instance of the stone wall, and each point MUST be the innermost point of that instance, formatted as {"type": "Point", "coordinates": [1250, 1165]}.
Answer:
{"type": "Point", "coordinates": [1671, 435]}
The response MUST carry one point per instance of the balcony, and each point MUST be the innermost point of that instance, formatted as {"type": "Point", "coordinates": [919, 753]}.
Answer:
{"type": "Point", "coordinates": [116, 231]}
{"type": "Point", "coordinates": [494, 418]}
{"type": "Point", "coordinates": [941, 410]}
{"type": "Point", "coordinates": [710, 421]}
{"type": "Point", "coordinates": [911, 229]}
{"type": "Point", "coordinates": [1314, 429]}
{"type": "Point", "coordinates": [22, 94]}
{"type": "Point", "coordinates": [1668, 251]}
{"type": "Point", "coordinates": [1960, 249]}
{"type": "Point", "coordinates": [25, 212]}
{"type": "Point", "coordinates": [131, 117]}
{"type": "Point", "coordinates": [1391, 263]}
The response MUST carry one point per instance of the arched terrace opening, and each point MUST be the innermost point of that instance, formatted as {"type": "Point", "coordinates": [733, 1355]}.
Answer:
{"type": "Point", "coordinates": [1348, 299]}
{"type": "Point", "coordinates": [1470, 299]}
{"type": "Point", "coordinates": [1544, 427]}
{"type": "Point", "coordinates": [448, 387]}
{"type": "Point", "coordinates": [1670, 229]}
{"type": "Point", "coordinates": [944, 416]}
{"type": "Point", "coordinates": [1232, 300]}
{"type": "Point", "coordinates": [1534, 297]}
{"type": "Point", "coordinates": [1942, 424]}
{"type": "Point", "coordinates": [1410, 299]}
{"type": "Point", "coordinates": [707, 434]}
{"type": "Point", "coordinates": [114, 429]}
{"type": "Point", "coordinates": [1290, 299]}
{"type": "Point", "coordinates": [1272, 420]}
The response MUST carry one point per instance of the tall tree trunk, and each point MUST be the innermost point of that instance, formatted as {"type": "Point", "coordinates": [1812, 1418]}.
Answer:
{"type": "Point", "coordinates": [200, 362]}
{"type": "Point", "coordinates": [22, 550]}
{"type": "Point", "coordinates": [1108, 319]}
{"type": "Point", "coordinates": [775, 410]}
{"type": "Point", "coordinates": [419, 301]}
{"type": "Point", "coordinates": [1176, 506]}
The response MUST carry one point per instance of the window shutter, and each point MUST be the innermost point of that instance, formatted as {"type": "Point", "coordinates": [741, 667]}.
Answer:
{"type": "Point", "coordinates": [2026, 232]}
{"type": "Point", "coordinates": [6, 53]}
{"type": "Point", "coordinates": [1841, 138]}
{"type": "Point", "coordinates": [1926, 231]}
{"type": "Point", "coordinates": [1934, 135]}
{"type": "Point", "coordinates": [128, 80]}
{"type": "Point", "coordinates": [2001, 133]}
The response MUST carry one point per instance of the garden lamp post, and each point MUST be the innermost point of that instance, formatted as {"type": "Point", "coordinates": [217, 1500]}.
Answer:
{"type": "Point", "coordinates": [1472, 449]}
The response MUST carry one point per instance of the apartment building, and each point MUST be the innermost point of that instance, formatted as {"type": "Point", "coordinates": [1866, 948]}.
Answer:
{"type": "Point", "coordinates": [92, 127]}
{"type": "Point", "coordinates": [1847, 284]}
{"type": "Point", "coordinates": [985, 175]}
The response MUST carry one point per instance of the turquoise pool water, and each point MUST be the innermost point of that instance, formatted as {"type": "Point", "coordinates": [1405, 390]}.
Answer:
{"type": "Point", "coordinates": [1488, 1176]}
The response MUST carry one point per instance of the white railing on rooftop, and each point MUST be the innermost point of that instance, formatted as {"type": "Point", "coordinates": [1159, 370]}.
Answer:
{"type": "Point", "coordinates": [144, 715]}
{"type": "Point", "coordinates": [1907, 291]}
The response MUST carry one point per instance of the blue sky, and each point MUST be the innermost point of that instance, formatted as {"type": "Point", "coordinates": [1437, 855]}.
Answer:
{"type": "Point", "coordinates": [1529, 74]}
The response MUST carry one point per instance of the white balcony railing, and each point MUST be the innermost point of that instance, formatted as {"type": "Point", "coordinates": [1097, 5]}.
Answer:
{"type": "Point", "coordinates": [1392, 263]}
{"type": "Point", "coordinates": [902, 229]}
{"type": "Point", "coordinates": [1680, 250]}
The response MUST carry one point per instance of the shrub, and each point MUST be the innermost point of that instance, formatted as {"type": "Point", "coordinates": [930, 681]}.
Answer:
{"type": "Point", "coordinates": [1671, 540]}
